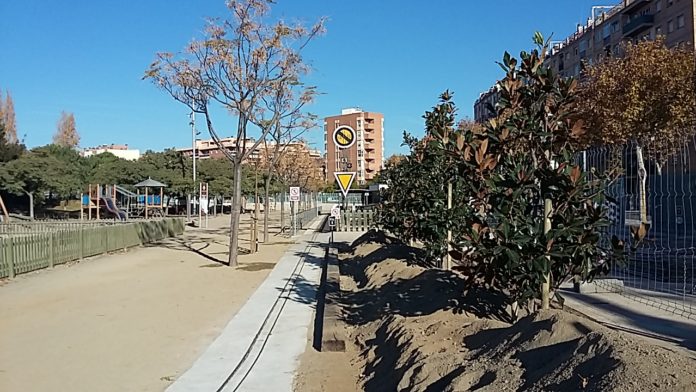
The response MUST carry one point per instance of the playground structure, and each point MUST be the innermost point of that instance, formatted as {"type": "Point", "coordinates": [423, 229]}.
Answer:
{"type": "Point", "coordinates": [123, 204]}
{"type": "Point", "coordinates": [4, 215]}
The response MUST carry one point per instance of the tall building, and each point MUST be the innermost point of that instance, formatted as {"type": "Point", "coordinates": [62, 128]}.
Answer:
{"type": "Point", "coordinates": [606, 29]}
{"type": "Point", "coordinates": [366, 156]}
{"type": "Point", "coordinates": [631, 20]}
{"type": "Point", "coordinates": [483, 105]}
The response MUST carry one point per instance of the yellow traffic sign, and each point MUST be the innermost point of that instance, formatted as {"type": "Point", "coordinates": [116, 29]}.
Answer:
{"type": "Point", "coordinates": [344, 136]}
{"type": "Point", "coordinates": [345, 180]}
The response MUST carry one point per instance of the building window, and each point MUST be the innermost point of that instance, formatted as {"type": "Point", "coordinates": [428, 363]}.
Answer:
{"type": "Point", "coordinates": [658, 30]}
{"type": "Point", "coordinates": [680, 21]}
{"type": "Point", "coordinates": [669, 3]}
{"type": "Point", "coordinates": [614, 27]}
{"type": "Point", "coordinates": [670, 26]}
{"type": "Point", "coordinates": [658, 6]}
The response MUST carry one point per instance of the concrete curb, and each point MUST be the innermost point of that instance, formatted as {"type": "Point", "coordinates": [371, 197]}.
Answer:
{"type": "Point", "coordinates": [230, 349]}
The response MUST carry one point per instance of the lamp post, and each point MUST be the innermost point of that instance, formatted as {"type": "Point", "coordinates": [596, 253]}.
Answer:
{"type": "Point", "coordinates": [189, 201]}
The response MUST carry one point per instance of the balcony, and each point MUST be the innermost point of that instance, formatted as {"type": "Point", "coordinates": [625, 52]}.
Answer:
{"type": "Point", "coordinates": [638, 24]}
{"type": "Point", "coordinates": [634, 4]}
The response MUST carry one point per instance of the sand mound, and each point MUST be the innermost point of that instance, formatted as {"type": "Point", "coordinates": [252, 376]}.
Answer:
{"type": "Point", "coordinates": [416, 331]}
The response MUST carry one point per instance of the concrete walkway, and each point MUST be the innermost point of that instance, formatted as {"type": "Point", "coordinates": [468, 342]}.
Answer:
{"type": "Point", "coordinates": [618, 312]}
{"type": "Point", "coordinates": [260, 347]}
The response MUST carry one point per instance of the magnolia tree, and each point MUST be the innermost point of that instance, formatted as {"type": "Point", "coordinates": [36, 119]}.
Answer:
{"type": "Point", "coordinates": [240, 63]}
{"type": "Point", "coordinates": [524, 217]}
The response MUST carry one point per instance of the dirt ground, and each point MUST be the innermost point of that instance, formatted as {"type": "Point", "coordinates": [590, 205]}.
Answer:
{"type": "Point", "coordinates": [410, 328]}
{"type": "Point", "coordinates": [132, 321]}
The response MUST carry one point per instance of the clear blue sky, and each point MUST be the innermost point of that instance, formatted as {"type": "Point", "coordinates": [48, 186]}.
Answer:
{"type": "Point", "coordinates": [388, 56]}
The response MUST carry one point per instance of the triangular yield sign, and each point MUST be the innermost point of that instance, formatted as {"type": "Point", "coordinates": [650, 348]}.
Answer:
{"type": "Point", "coordinates": [345, 180]}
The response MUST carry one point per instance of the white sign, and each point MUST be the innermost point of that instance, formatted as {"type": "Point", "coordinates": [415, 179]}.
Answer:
{"type": "Point", "coordinates": [294, 193]}
{"type": "Point", "coordinates": [336, 211]}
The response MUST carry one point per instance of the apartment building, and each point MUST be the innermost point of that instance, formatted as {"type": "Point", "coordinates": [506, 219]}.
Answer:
{"type": "Point", "coordinates": [605, 30]}
{"type": "Point", "coordinates": [366, 156]}
{"type": "Point", "coordinates": [120, 150]}
{"type": "Point", "coordinates": [631, 20]}
{"type": "Point", "coordinates": [483, 105]}
{"type": "Point", "coordinates": [208, 149]}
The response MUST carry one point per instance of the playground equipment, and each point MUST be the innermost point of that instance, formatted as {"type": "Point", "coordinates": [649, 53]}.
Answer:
{"type": "Point", "coordinates": [122, 203]}
{"type": "Point", "coordinates": [153, 204]}
{"type": "Point", "coordinates": [99, 197]}
{"type": "Point", "coordinates": [5, 217]}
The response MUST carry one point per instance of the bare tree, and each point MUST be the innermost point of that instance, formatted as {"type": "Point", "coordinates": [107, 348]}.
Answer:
{"type": "Point", "coordinates": [240, 61]}
{"type": "Point", "coordinates": [7, 115]}
{"type": "Point", "coordinates": [286, 131]}
{"type": "Point", "coordinates": [66, 131]}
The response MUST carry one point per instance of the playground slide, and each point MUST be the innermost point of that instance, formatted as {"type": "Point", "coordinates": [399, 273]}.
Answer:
{"type": "Point", "coordinates": [111, 207]}
{"type": "Point", "coordinates": [124, 191]}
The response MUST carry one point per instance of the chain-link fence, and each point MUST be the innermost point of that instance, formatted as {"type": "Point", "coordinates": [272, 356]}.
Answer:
{"type": "Point", "coordinates": [652, 208]}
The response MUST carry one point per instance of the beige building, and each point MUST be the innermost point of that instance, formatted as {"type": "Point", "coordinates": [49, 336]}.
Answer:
{"type": "Point", "coordinates": [208, 149]}
{"type": "Point", "coordinates": [606, 29]}
{"type": "Point", "coordinates": [366, 156]}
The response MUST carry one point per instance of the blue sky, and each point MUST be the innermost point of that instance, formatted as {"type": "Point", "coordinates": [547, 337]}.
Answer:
{"type": "Point", "coordinates": [388, 56]}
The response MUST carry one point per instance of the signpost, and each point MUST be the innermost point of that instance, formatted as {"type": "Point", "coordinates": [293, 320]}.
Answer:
{"type": "Point", "coordinates": [344, 136]}
{"type": "Point", "coordinates": [294, 193]}
{"type": "Point", "coordinates": [294, 198]}
{"type": "Point", "coordinates": [336, 211]}
{"type": "Point", "coordinates": [332, 225]}
{"type": "Point", "coordinates": [345, 180]}
{"type": "Point", "coordinates": [203, 203]}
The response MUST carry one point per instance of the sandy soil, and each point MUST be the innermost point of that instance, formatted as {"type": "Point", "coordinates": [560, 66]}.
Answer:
{"type": "Point", "coordinates": [327, 371]}
{"type": "Point", "coordinates": [126, 322]}
{"type": "Point", "coordinates": [412, 329]}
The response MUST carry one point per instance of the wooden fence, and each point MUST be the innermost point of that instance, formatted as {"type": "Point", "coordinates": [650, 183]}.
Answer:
{"type": "Point", "coordinates": [356, 220]}
{"type": "Point", "coordinates": [33, 250]}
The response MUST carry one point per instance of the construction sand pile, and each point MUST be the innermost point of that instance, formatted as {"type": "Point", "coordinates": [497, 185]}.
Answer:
{"type": "Point", "coordinates": [414, 331]}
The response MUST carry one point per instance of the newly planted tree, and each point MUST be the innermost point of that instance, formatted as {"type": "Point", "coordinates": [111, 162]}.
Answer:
{"type": "Point", "coordinates": [524, 216]}
{"type": "Point", "coordinates": [240, 61]}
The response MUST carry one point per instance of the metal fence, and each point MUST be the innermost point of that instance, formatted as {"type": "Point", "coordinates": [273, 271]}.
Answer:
{"type": "Point", "coordinates": [303, 218]}
{"type": "Point", "coordinates": [660, 271]}
{"type": "Point", "coordinates": [47, 245]}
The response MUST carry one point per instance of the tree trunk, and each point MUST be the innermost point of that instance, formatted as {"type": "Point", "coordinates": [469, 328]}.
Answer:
{"type": "Point", "coordinates": [235, 214]}
{"type": "Point", "coordinates": [31, 204]}
{"type": "Point", "coordinates": [266, 207]}
{"type": "Point", "coordinates": [282, 210]}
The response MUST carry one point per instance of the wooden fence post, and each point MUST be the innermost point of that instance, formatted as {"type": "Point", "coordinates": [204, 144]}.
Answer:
{"type": "Point", "coordinates": [82, 243]}
{"type": "Point", "coordinates": [10, 258]}
{"type": "Point", "coordinates": [51, 242]}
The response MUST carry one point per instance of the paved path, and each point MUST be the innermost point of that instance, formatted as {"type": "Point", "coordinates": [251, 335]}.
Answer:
{"type": "Point", "coordinates": [618, 312]}
{"type": "Point", "coordinates": [259, 349]}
